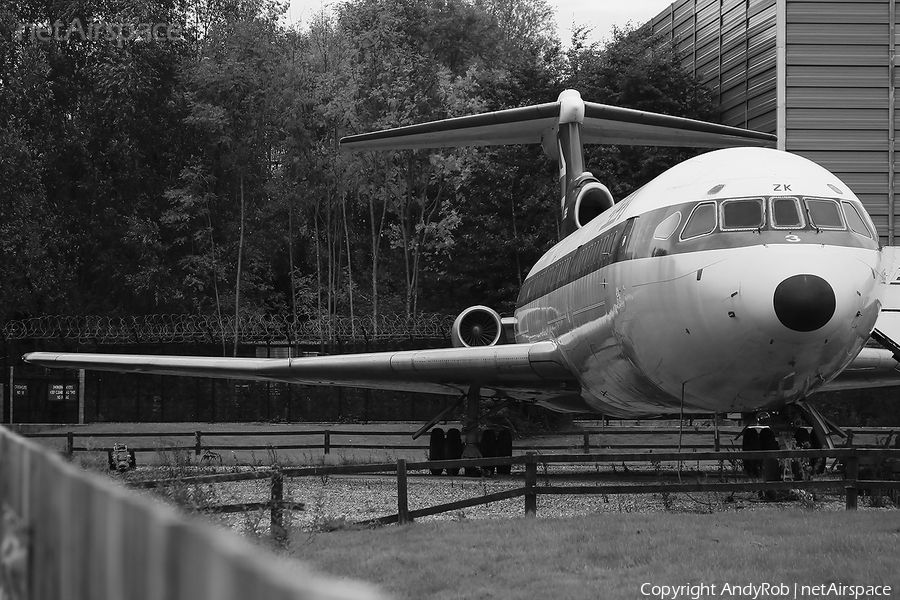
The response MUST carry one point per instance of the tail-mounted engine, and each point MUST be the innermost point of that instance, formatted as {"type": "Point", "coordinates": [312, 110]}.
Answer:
{"type": "Point", "coordinates": [477, 326]}
{"type": "Point", "coordinates": [590, 198]}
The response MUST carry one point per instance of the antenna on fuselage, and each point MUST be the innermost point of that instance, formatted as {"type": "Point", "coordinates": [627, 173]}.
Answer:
{"type": "Point", "coordinates": [562, 128]}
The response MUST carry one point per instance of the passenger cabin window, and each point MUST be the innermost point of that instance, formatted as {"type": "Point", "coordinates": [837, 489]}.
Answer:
{"type": "Point", "coordinates": [824, 214]}
{"type": "Point", "coordinates": [701, 222]}
{"type": "Point", "coordinates": [743, 214]}
{"type": "Point", "coordinates": [854, 220]}
{"type": "Point", "coordinates": [786, 213]}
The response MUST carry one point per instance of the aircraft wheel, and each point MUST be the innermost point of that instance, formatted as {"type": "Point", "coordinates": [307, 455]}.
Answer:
{"type": "Point", "coordinates": [453, 448]}
{"type": "Point", "coordinates": [436, 448]}
{"type": "Point", "coordinates": [750, 443]}
{"type": "Point", "coordinates": [488, 447]}
{"type": "Point", "coordinates": [504, 449]}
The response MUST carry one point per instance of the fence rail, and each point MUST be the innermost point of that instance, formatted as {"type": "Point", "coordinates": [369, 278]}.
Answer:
{"type": "Point", "coordinates": [588, 439]}
{"type": "Point", "coordinates": [67, 533]}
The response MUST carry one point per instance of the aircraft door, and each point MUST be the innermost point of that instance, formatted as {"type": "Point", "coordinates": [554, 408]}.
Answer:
{"type": "Point", "coordinates": [623, 249]}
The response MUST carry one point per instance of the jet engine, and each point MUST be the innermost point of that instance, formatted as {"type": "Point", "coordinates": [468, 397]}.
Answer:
{"type": "Point", "coordinates": [593, 198]}
{"type": "Point", "coordinates": [585, 199]}
{"type": "Point", "coordinates": [477, 326]}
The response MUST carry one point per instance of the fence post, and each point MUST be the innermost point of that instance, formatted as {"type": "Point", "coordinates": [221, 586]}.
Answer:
{"type": "Point", "coordinates": [716, 441]}
{"type": "Point", "coordinates": [327, 442]}
{"type": "Point", "coordinates": [81, 396]}
{"type": "Point", "coordinates": [279, 534]}
{"type": "Point", "coordinates": [402, 502]}
{"type": "Point", "coordinates": [850, 477]}
{"type": "Point", "coordinates": [198, 443]}
{"type": "Point", "coordinates": [530, 483]}
{"type": "Point", "coordinates": [70, 444]}
{"type": "Point", "coordinates": [587, 442]}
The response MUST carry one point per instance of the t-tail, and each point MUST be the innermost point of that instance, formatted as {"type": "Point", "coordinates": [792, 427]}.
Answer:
{"type": "Point", "coordinates": [562, 128]}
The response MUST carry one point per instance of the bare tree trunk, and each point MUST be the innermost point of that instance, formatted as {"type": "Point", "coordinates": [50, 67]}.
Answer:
{"type": "Point", "coordinates": [318, 264]}
{"type": "Point", "coordinates": [512, 205]}
{"type": "Point", "coordinates": [290, 248]}
{"type": "Point", "coordinates": [376, 244]}
{"type": "Point", "coordinates": [349, 262]}
{"type": "Point", "coordinates": [407, 245]}
{"type": "Point", "coordinates": [237, 279]}
{"type": "Point", "coordinates": [329, 252]}
{"type": "Point", "coordinates": [215, 256]}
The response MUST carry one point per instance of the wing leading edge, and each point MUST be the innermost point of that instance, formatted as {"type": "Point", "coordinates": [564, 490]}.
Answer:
{"type": "Point", "coordinates": [521, 371]}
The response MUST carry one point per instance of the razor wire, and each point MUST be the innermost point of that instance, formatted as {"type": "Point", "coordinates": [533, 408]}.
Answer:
{"type": "Point", "coordinates": [252, 329]}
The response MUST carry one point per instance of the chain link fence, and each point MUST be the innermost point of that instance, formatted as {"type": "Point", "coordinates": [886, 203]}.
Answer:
{"type": "Point", "coordinates": [211, 329]}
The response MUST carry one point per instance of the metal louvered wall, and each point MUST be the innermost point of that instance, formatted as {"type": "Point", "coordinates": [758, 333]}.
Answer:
{"type": "Point", "coordinates": [816, 72]}
{"type": "Point", "coordinates": [730, 46]}
{"type": "Point", "coordinates": [838, 88]}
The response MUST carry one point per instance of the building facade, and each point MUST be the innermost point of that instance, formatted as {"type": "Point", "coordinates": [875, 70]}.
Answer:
{"type": "Point", "coordinates": [818, 73]}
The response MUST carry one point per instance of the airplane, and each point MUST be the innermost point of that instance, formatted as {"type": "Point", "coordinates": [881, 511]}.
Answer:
{"type": "Point", "coordinates": [744, 280]}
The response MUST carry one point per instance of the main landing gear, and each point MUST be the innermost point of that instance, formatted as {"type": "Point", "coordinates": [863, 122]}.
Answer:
{"type": "Point", "coordinates": [471, 442]}
{"type": "Point", "coordinates": [796, 426]}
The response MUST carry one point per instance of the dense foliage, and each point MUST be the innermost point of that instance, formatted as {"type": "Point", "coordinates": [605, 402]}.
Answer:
{"type": "Point", "coordinates": [200, 173]}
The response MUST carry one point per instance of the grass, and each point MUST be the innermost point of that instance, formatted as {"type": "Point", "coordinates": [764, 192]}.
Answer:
{"type": "Point", "coordinates": [611, 556]}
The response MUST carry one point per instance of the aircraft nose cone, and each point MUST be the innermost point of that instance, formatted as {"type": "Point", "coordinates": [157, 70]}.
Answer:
{"type": "Point", "coordinates": [804, 302]}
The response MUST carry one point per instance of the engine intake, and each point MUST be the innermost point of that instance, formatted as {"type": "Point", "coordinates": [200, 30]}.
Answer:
{"type": "Point", "coordinates": [477, 326]}
{"type": "Point", "coordinates": [593, 199]}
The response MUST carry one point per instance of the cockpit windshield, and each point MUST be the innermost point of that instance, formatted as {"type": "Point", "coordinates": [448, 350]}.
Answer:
{"type": "Point", "coordinates": [747, 213]}
{"type": "Point", "coordinates": [824, 214]}
{"type": "Point", "coordinates": [786, 213]}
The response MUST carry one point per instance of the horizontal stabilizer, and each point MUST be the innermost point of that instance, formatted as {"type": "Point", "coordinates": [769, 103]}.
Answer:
{"type": "Point", "coordinates": [602, 124]}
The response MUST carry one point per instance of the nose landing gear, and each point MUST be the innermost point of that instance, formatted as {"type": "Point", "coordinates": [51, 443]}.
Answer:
{"type": "Point", "coordinates": [797, 426]}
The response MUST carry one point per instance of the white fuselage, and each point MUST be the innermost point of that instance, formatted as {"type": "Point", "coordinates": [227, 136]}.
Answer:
{"type": "Point", "coordinates": [677, 298]}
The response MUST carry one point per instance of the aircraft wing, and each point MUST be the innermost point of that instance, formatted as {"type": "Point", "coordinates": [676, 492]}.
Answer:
{"type": "Point", "coordinates": [602, 124]}
{"type": "Point", "coordinates": [521, 371]}
{"type": "Point", "coordinates": [873, 367]}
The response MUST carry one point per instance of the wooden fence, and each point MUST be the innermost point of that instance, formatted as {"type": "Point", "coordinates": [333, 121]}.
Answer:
{"type": "Point", "coordinates": [849, 483]}
{"type": "Point", "coordinates": [651, 438]}
{"type": "Point", "coordinates": [69, 534]}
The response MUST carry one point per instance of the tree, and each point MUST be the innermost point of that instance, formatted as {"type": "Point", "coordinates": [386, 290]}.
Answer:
{"type": "Point", "coordinates": [234, 108]}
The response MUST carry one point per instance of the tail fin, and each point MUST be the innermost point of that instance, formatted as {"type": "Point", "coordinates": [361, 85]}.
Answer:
{"type": "Point", "coordinates": [562, 127]}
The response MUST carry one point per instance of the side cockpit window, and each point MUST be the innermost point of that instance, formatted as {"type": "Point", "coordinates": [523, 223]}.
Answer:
{"type": "Point", "coordinates": [701, 222]}
{"type": "Point", "coordinates": [824, 214]}
{"type": "Point", "coordinates": [855, 220]}
{"type": "Point", "coordinates": [786, 213]}
{"type": "Point", "coordinates": [747, 213]}
{"type": "Point", "coordinates": [667, 227]}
